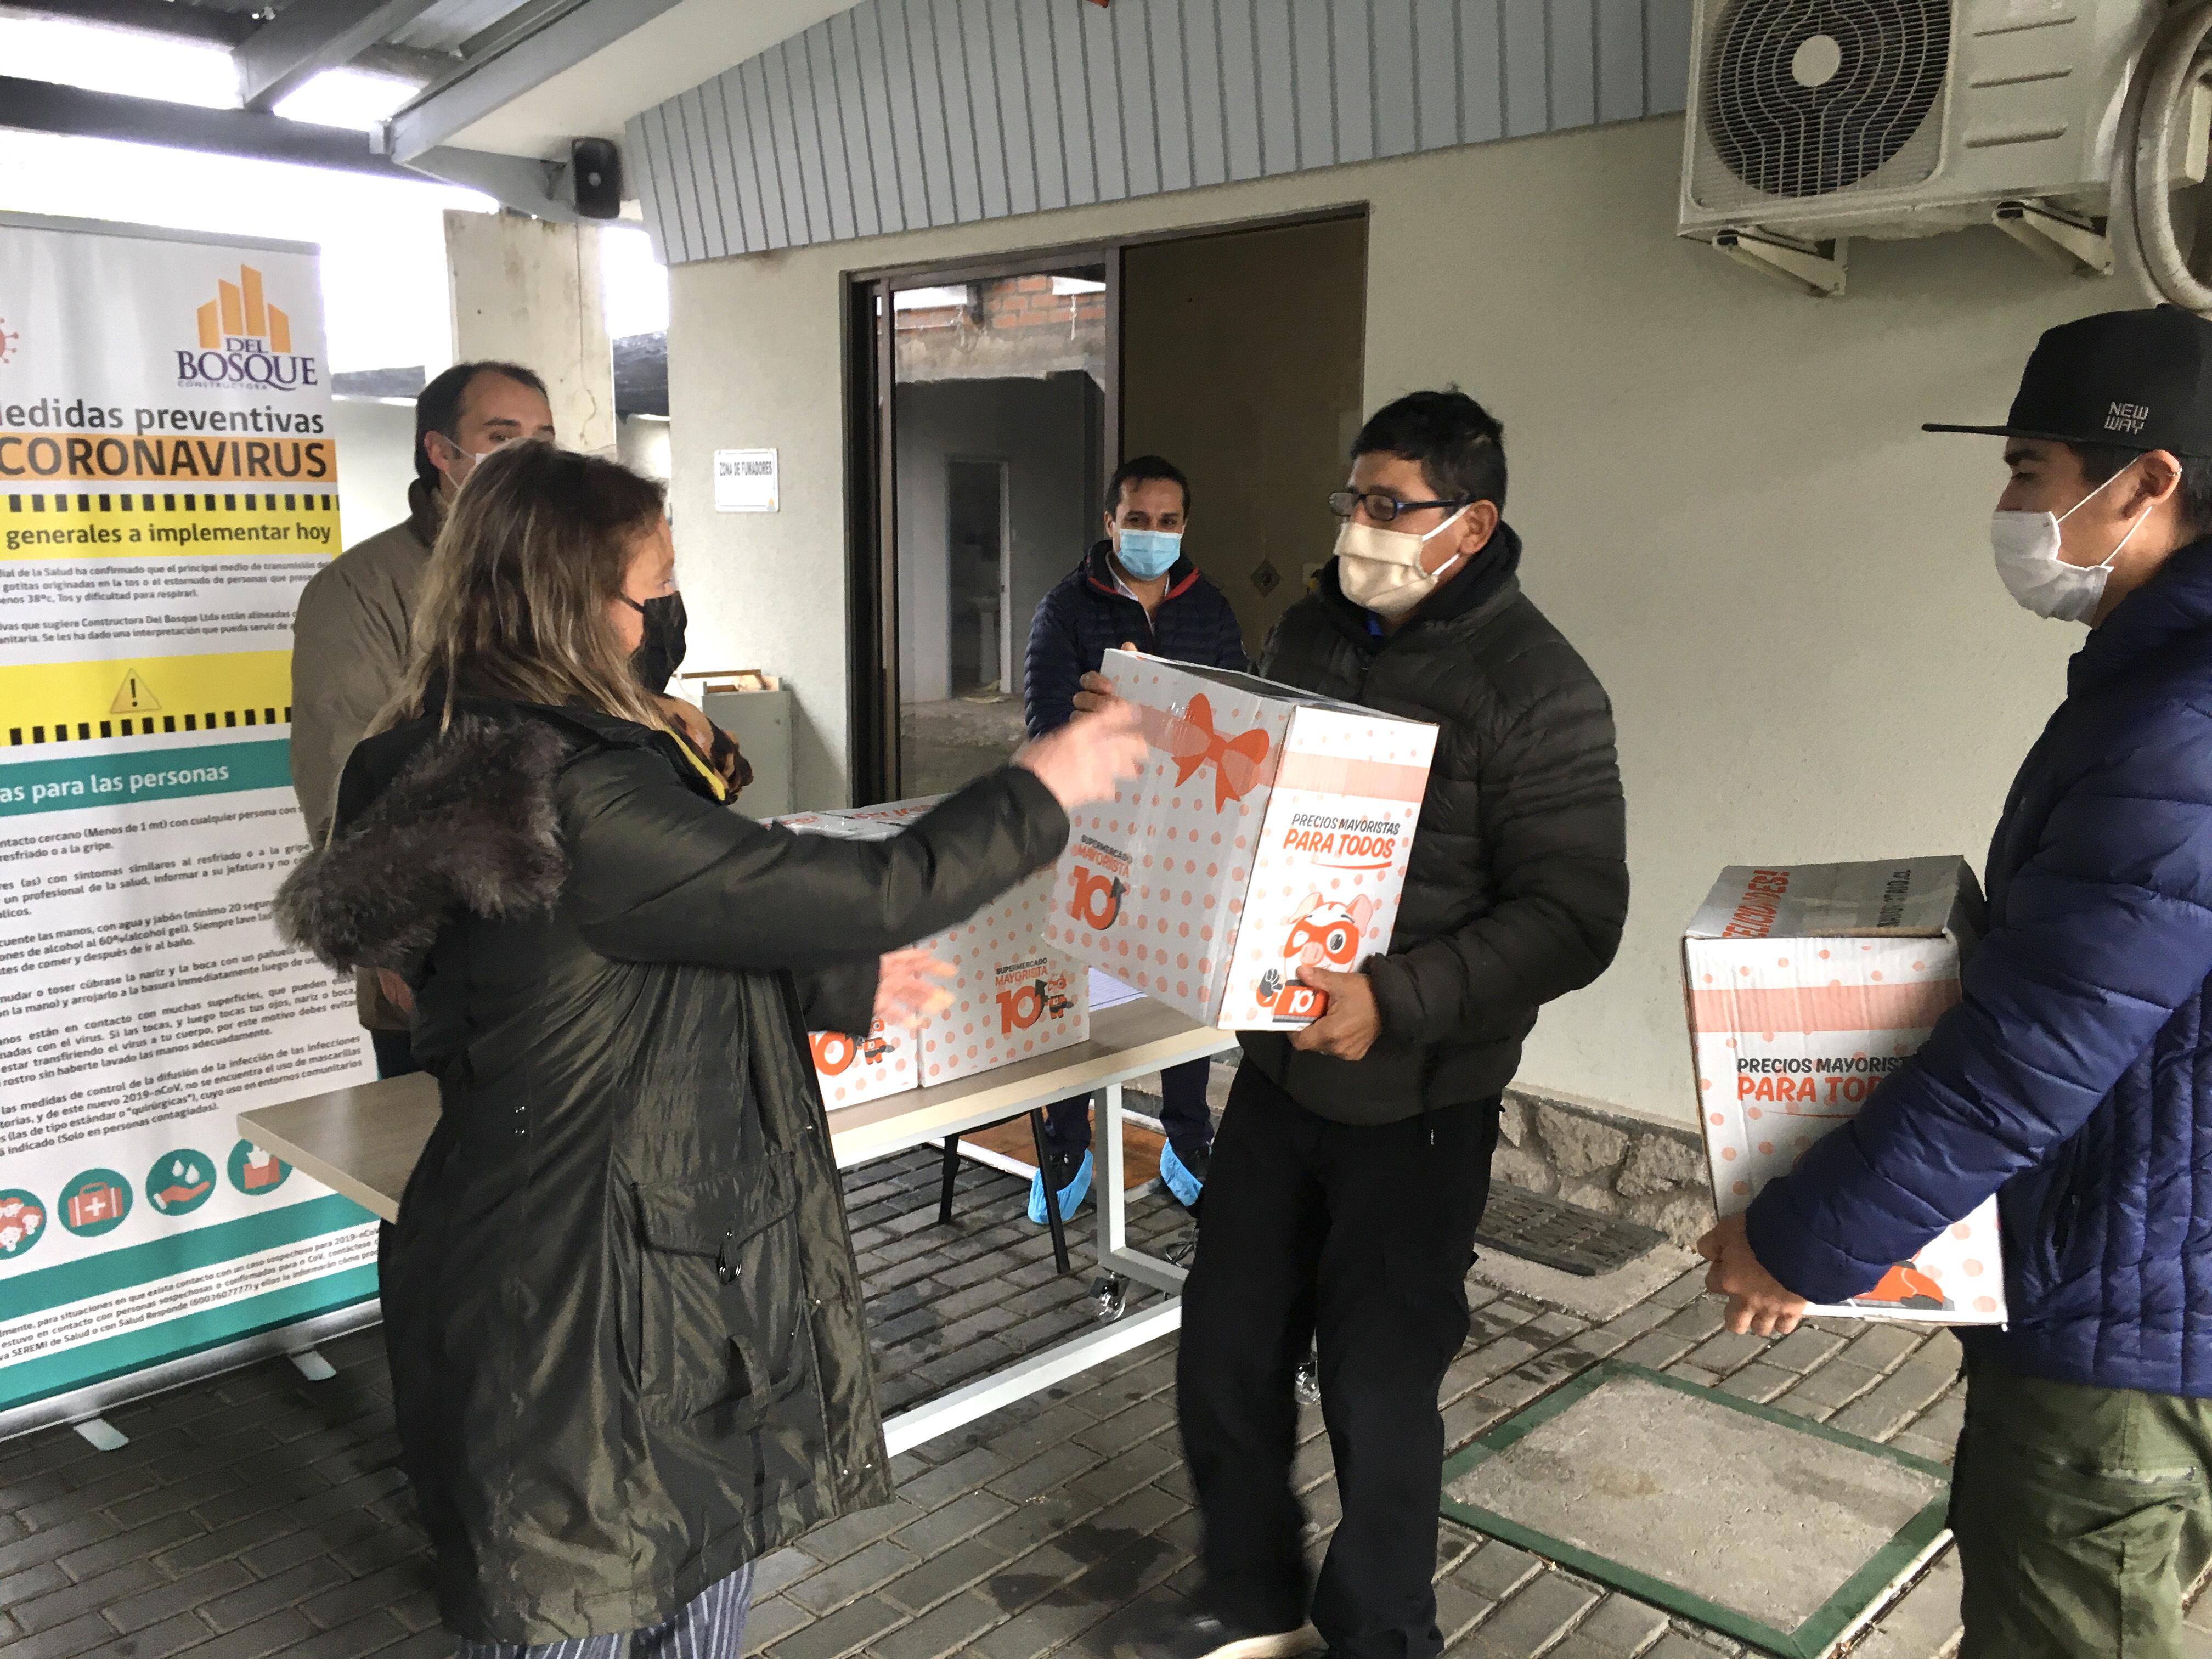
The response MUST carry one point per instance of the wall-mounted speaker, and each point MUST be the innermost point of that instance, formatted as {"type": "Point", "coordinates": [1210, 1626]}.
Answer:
{"type": "Point", "coordinates": [596, 177]}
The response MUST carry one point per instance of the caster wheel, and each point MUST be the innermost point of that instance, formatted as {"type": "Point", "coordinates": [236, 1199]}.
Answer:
{"type": "Point", "coordinates": [1307, 1383]}
{"type": "Point", "coordinates": [1110, 1298]}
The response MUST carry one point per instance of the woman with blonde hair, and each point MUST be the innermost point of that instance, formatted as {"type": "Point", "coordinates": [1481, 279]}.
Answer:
{"type": "Point", "coordinates": [628, 1349]}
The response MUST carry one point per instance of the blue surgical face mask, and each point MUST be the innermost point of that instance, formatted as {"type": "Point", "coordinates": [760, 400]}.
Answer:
{"type": "Point", "coordinates": [1148, 553]}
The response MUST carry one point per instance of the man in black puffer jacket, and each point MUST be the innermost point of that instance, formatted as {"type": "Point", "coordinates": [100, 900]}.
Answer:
{"type": "Point", "coordinates": [1353, 1162]}
{"type": "Point", "coordinates": [1136, 588]}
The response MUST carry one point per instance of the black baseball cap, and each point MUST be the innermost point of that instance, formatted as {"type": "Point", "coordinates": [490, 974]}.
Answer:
{"type": "Point", "coordinates": [2136, 379]}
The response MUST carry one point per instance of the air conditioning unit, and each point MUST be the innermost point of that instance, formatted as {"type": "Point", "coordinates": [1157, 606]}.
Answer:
{"type": "Point", "coordinates": [1813, 120]}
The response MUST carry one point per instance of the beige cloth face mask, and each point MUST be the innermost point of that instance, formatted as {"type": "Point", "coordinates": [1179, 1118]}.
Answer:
{"type": "Point", "coordinates": [1381, 570]}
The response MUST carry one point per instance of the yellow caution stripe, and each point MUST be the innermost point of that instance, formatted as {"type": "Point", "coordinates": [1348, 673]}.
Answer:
{"type": "Point", "coordinates": [166, 524]}
{"type": "Point", "coordinates": [147, 697]}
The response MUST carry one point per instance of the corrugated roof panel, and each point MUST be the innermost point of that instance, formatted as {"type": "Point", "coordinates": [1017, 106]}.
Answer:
{"type": "Point", "coordinates": [902, 114]}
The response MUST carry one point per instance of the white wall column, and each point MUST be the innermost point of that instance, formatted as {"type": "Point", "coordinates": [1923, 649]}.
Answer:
{"type": "Point", "coordinates": [527, 291]}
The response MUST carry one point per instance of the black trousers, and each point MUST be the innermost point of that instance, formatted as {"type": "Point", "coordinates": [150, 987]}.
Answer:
{"type": "Point", "coordinates": [1360, 1238]}
{"type": "Point", "coordinates": [395, 1057]}
{"type": "Point", "coordinates": [1183, 1114]}
{"type": "Point", "coordinates": [395, 1053]}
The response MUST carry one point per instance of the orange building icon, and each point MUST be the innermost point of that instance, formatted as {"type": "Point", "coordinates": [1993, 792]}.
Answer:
{"type": "Point", "coordinates": [239, 310]}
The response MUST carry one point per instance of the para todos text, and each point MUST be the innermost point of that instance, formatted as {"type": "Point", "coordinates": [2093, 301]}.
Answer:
{"type": "Point", "coordinates": [1818, 1080]}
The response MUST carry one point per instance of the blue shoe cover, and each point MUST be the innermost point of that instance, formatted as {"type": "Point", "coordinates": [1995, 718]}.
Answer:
{"type": "Point", "coordinates": [1181, 1182]}
{"type": "Point", "coordinates": [1071, 1196]}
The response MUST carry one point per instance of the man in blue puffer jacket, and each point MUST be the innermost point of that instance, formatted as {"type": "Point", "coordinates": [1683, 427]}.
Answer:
{"type": "Point", "coordinates": [2075, 1078]}
{"type": "Point", "coordinates": [1139, 588]}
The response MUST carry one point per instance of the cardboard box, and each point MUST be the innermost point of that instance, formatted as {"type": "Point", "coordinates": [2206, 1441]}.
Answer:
{"type": "Point", "coordinates": [867, 1066]}
{"type": "Point", "coordinates": [1271, 829]}
{"type": "Point", "coordinates": [854, 1067]}
{"type": "Point", "coordinates": [1011, 997]}
{"type": "Point", "coordinates": [1807, 985]}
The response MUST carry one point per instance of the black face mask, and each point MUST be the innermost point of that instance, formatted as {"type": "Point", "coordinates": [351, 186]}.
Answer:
{"type": "Point", "coordinates": [661, 654]}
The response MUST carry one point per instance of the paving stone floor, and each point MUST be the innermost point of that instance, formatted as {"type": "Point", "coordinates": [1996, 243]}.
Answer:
{"type": "Point", "coordinates": [259, 1513]}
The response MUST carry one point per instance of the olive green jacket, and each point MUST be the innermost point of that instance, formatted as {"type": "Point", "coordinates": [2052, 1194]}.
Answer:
{"type": "Point", "coordinates": [349, 644]}
{"type": "Point", "coordinates": [628, 1348]}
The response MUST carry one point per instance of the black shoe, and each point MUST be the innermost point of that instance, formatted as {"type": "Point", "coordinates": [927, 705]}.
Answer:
{"type": "Point", "coordinates": [1201, 1636]}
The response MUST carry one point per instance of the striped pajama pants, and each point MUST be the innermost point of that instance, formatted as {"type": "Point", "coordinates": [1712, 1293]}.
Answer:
{"type": "Point", "coordinates": [711, 1625]}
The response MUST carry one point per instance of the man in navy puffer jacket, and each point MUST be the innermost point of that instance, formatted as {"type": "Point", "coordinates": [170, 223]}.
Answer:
{"type": "Point", "coordinates": [1175, 612]}
{"type": "Point", "coordinates": [2075, 1078]}
{"type": "Point", "coordinates": [1136, 588]}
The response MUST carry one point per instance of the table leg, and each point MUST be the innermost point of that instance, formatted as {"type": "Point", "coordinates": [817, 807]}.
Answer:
{"type": "Point", "coordinates": [1048, 1168]}
{"type": "Point", "coordinates": [1117, 1262]}
{"type": "Point", "coordinates": [951, 1174]}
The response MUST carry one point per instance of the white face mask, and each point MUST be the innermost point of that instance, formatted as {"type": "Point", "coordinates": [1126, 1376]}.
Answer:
{"type": "Point", "coordinates": [2028, 561]}
{"type": "Point", "coordinates": [464, 461]}
{"type": "Point", "coordinates": [1381, 570]}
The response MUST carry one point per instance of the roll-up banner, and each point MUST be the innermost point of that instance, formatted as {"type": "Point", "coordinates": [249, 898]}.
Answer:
{"type": "Point", "coordinates": [168, 482]}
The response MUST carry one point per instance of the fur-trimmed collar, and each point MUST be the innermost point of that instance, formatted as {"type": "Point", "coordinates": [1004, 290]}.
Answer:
{"type": "Point", "coordinates": [466, 824]}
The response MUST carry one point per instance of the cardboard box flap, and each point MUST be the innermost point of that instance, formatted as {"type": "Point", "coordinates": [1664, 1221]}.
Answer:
{"type": "Point", "coordinates": [1895, 898]}
{"type": "Point", "coordinates": [1252, 685]}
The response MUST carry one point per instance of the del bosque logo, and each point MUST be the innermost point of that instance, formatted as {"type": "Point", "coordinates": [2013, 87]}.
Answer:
{"type": "Point", "coordinates": [244, 340]}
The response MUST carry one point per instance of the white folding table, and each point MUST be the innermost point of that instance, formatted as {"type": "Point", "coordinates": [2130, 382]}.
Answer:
{"type": "Point", "coordinates": [363, 1142]}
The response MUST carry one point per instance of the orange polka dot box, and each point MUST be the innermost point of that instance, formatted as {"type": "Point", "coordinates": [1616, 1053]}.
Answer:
{"type": "Point", "coordinates": [1269, 832]}
{"type": "Point", "coordinates": [1808, 984]}
{"type": "Point", "coordinates": [1012, 997]}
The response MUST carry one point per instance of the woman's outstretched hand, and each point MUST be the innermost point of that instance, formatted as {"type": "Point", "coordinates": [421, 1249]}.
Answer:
{"type": "Point", "coordinates": [911, 987]}
{"type": "Point", "coordinates": [1085, 758]}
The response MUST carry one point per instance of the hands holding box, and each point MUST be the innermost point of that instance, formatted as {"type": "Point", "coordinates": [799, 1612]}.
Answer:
{"type": "Point", "coordinates": [1256, 862]}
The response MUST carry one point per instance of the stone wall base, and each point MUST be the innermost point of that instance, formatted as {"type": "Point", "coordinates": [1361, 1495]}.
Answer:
{"type": "Point", "coordinates": [1617, 1165]}
{"type": "Point", "coordinates": [1642, 1172]}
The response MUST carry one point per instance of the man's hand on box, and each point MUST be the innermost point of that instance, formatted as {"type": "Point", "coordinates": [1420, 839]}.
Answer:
{"type": "Point", "coordinates": [1348, 1028]}
{"type": "Point", "coordinates": [911, 987]}
{"type": "Point", "coordinates": [1759, 1304]}
{"type": "Point", "coordinates": [1097, 692]}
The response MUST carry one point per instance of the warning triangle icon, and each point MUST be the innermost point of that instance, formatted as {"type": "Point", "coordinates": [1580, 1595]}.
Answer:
{"type": "Point", "coordinates": [136, 697]}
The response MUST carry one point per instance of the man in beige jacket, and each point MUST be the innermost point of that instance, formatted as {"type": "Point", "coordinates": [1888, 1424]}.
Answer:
{"type": "Point", "coordinates": [350, 637]}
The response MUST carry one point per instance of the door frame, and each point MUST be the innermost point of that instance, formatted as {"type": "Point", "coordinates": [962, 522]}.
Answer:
{"type": "Point", "coordinates": [871, 475]}
{"type": "Point", "coordinates": [872, 482]}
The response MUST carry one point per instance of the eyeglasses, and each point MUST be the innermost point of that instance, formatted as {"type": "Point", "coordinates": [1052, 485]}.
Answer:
{"type": "Point", "coordinates": [1379, 507]}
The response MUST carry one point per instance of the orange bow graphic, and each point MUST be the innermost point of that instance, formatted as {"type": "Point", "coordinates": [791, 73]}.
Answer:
{"type": "Point", "coordinates": [1192, 742]}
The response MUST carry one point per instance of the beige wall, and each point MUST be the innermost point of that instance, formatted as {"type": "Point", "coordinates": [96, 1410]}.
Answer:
{"type": "Point", "coordinates": [376, 463]}
{"type": "Point", "coordinates": [529, 291]}
{"type": "Point", "coordinates": [1727, 504]}
{"type": "Point", "coordinates": [642, 442]}
{"type": "Point", "coordinates": [1241, 363]}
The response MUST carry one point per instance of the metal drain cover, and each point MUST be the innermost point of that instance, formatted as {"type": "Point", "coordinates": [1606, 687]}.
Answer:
{"type": "Point", "coordinates": [1560, 1235]}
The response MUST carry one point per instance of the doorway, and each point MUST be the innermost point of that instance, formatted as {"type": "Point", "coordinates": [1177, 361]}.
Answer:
{"type": "Point", "coordinates": [986, 409]}
{"type": "Point", "coordinates": [1243, 362]}
{"type": "Point", "coordinates": [984, 399]}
